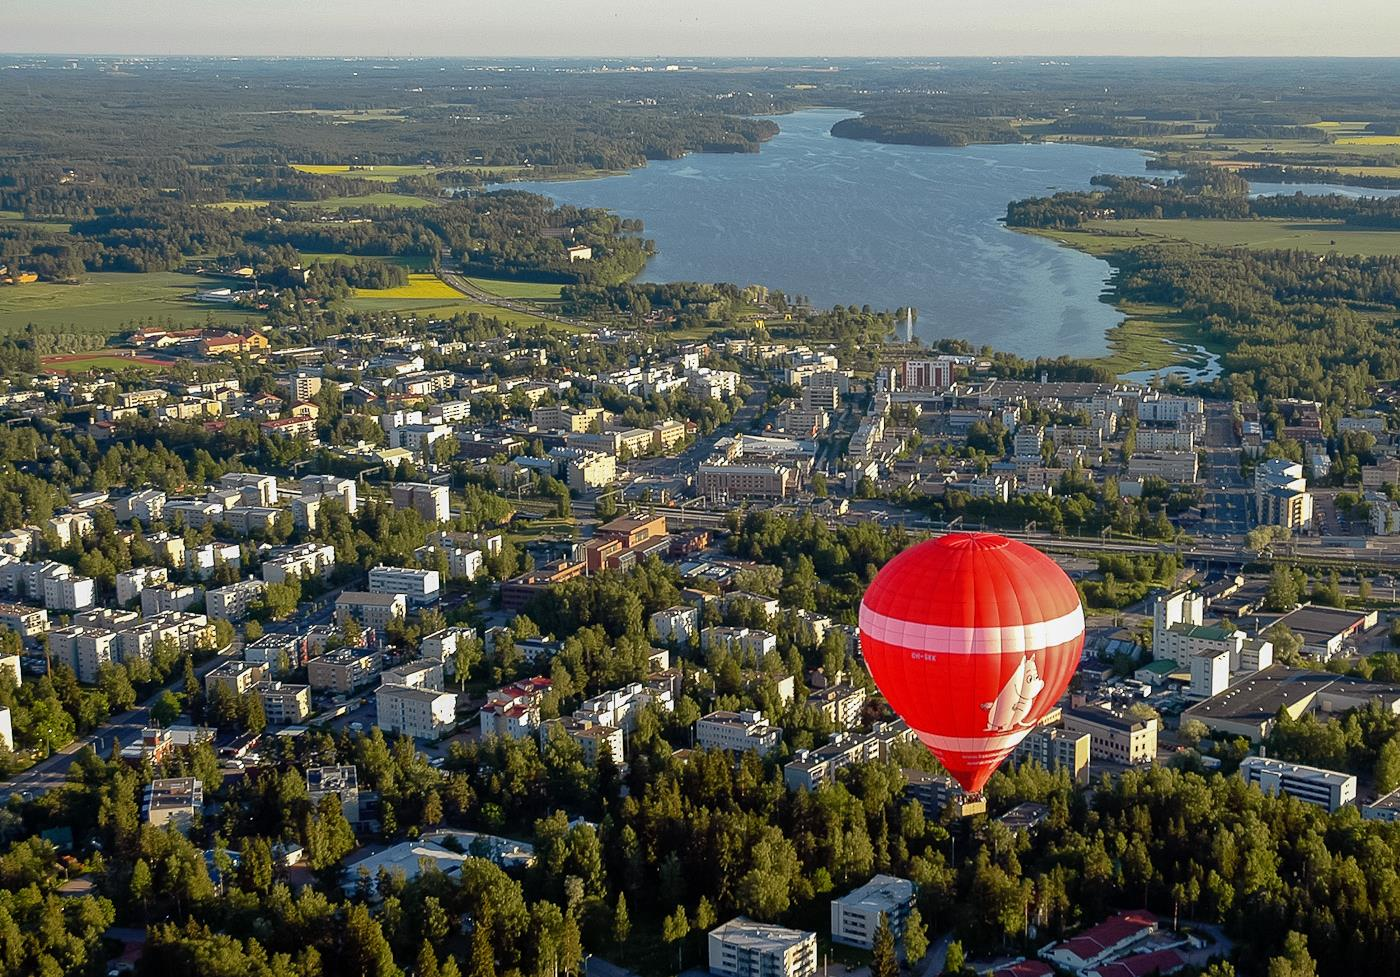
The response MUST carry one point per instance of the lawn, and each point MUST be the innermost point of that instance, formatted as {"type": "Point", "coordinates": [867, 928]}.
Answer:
{"type": "Point", "coordinates": [107, 302]}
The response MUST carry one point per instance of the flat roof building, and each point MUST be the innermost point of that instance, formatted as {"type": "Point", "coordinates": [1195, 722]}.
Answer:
{"type": "Point", "coordinates": [1328, 789]}
{"type": "Point", "coordinates": [174, 801]}
{"type": "Point", "coordinates": [855, 917]}
{"type": "Point", "coordinates": [1249, 708]}
{"type": "Point", "coordinates": [1124, 739]}
{"type": "Point", "coordinates": [744, 948]}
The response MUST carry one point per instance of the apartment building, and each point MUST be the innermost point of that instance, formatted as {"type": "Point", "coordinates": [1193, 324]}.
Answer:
{"type": "Point", "coordinates": [1055, 748]}
{"type": "Point", "coordinates": [591, 737]}
{"type": "Point", "coordinates": [839, 704]}
{"type": "Point", "coordinates": [231, 603]}
{"type": "Point", "coordinates": [744, 948]}
{"type": "Point", "coordinates": [1281, 496]}
{"type": "Point", "coordinates": [341, 782]}
{"type": "Point", "coordinates": [810, 769]}
{"type": "Point", "coordinates": [24, 620]}
{"type": "Point", "coordinates": [174, 801]}
{"type": "Point", "coordinates": [166, 598]}
{"type": "Point", "coordinates": [429, 501]}
{"type": "Point", "coordinates": [371, 610]}
{"type": "Point", "coordinates": [721, 481]}
{"type": "Point", "coordinates": [855, 917]}
{"type": "Point", "coordinates": [746, 641]}
{"type": "Point", "coordinates": [83, 649]}
{"type": "Point", "coordinates": [204, 560]}
{"type": "Point", "coordinates": [1123, 739]}
{"type": "Point", "coordinates": [131, 582]}
{"type": "Point", "coordinates": [343, 670]}
{"type": "Point", "coordinates": [418, 586]}
{"type": "Point", "coordinates": [620, 707]}
{"type": "Point", "coordinates": [422, 673]}
{"type": "Point", "coordinates": [426, 714]}
{"type": "Point", "coordinates": [254, 489]}
{"type": "Point", "coordinates": [306, 561]}
{"type": "Point", "coordinates": [331, 487]}
{"type": "Point", "coordinates": [441, 646]}
{"type": "Point", "coordinates": [284, 704]}
{"type": "Point", "coordinates": [737, 732]}
{"type": "Point", "coordinates": [236, 677]}
{"type": "Point", "coordinates": [514, 711]}
{"type": "Point", "coordinates": [675, 625]}
{"type": "Point", "coordinates": [1328, 789]}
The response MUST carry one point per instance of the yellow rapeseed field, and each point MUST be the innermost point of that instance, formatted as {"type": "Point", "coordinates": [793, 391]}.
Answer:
{"type": "Point", "coordinates": [418, 287]}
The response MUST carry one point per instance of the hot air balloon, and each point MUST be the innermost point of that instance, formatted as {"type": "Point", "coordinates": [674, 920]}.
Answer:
{"type": "Point", "coordinates": [973, 638]}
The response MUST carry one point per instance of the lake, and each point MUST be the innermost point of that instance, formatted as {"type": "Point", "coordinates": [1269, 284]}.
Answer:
{"type": "Point", "coordinates": [858, 223]}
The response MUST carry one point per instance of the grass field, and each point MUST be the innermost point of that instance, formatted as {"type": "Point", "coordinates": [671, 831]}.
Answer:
{"type": "Point", "coordinates": [1318, 237]}
{"type": "Point", "coordinates": [529, 291]}
{"type": "Point", "coordinates": [240, 204]}
{"type": "Point", "coordinates": [106, 303]}
{"type": "Point", "coordinates": [1105, 237]}
{"type": "Point", "coordinates": [367, 200]}
{"type": "Point", "coordinates": [81, 362]}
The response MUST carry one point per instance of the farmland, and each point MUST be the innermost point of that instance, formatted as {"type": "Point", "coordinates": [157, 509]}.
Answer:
{"type": "Point", "coordinates": [379, 174]}
{"type": "Point", "coordinates": [427, 295]}
{"type": "Point", "coordinates": [106, 303]}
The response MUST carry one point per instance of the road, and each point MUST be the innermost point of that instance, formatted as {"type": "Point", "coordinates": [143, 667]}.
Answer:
{"type": "Point", "coordinates": [126, 727]}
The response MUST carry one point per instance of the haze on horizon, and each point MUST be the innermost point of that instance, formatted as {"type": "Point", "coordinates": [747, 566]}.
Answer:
{"type": "Point", "coordinates": [768, 28]}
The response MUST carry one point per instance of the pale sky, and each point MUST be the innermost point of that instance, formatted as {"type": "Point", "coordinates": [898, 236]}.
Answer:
{"type": "Point", "coordinates": [773, 28]}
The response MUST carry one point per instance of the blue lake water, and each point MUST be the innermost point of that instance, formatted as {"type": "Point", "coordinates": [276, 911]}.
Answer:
{"type": "Point", "coordinates": [855, 223]}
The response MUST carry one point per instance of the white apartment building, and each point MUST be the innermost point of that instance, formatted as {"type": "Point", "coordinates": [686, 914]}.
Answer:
{"type": "Point", "coordinates": [810, 769]}
{"type": "Point", "coordinates": [855, 917]}
{"type": "Point", "coordinates": [24, 620]}
{"type": "Point", "coordinates": [590, 736]}
{"type": "Point", "coordinates": [421, 673]}
{"type": "Point", "coordinates": [231, 603]}
{"type": "Point", "coordinates": [621, 707]}
{"type": "Point", "coordinates": [675, 625]}
{"type": "Point", "coordinates": [711, 384]}
{"type": "Point", "coordinates": [238, 677]}
{"type": "Point", "coordinates": [462, 561]}
{"type": "Point", "coordinates": [166, 597]}
{"type": "Point", "coordinates": [305, 561]}
{"type": "Point", "coordinates": [441, 646]}
{"type": "Point", "coordinates": [418, 586]}
{"type": "Point", "coordinates": [514, 711]}
{"type": "Point", "coordinates": [341, 782]}
{"type": "Point", "coordinates": [148, 506]}
{"type": "Point", "coordinates": [194, 513]}
{"type": "Point", "coordinates": [68, 591]}
{"type": "Point", "coordinates": [737, 732]}
{"type": "Point", "coordinates": [83, 649]}
{"type": "Point", "coordinates": [130, 582]}
{"type": "Point", "coordinates": [743, 948]}
{"type": "Point", "coordinates": [1327, 789]}
{"type": "Point", "coordinates": [426, 714]}
{"type": "Point", "coordinates": [746, 641]}
{"type": "Point", "coordinates": [254, 489]}
{"type": "Point", "coordinates": [203, 560]}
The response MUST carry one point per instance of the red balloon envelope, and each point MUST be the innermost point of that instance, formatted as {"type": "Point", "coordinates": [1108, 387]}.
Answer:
{"type": "Point", "coordinates": [972, 638]}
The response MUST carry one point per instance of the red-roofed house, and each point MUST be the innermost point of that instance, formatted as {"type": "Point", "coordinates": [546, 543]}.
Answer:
{"type": "Point", "coordinates": [1096, 944]}
{"type": "Point", "coordinates": [514, 711]}
{"type": "Point", "coordinates": [1140, 965]}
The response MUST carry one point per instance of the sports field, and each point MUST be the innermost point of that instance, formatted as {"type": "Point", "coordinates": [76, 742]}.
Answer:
{"type": "Point", "coordinates": [102, 360]}
{"type": "Point", "coordinates": [108, 302]}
